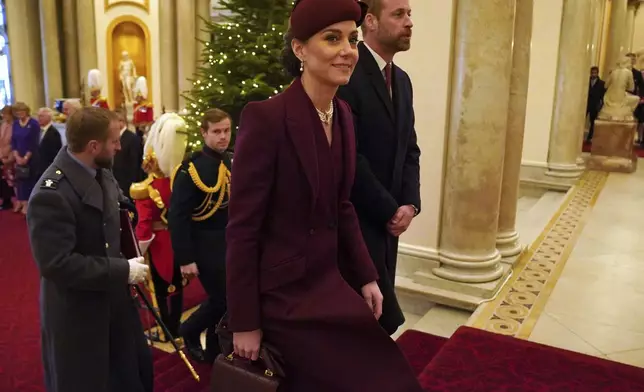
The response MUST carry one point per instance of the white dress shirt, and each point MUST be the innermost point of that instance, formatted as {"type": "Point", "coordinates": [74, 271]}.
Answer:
{"type": "Point", "coordinates": [380, 61]}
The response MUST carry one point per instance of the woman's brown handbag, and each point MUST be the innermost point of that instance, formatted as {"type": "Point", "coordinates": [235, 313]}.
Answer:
{"type": "Point", "coordinates": [233, 374]}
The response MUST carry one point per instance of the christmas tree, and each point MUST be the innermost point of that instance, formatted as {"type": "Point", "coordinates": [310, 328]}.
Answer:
{"type": "Point", "coordinates": [241, 63]}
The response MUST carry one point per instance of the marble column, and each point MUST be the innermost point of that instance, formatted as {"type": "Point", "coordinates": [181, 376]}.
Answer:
{"type": "Point", "coordinates": [507, 237]}
{"type": "Point", "coordinates": [598, 7]}
{"type": "Point", "coordinates": [51, 51]}
{"type": "Point", "coordinates": [630, 26]}
{"type": "Point", "coordinates": [203, 12]}
{"type": "Point", "coordinates": [26, 56]}
{"type": "Point", "coordinates": [87, 57]}
{"type": "Point", "coordinates": [71, 71]}
{"type": "Point", "coordinates": [168, 55]}
{"type": "Point", "coordinates": [186, 47]}
{"type": "Point", "coordinates": [482, 63]}
{"type": "Point", "coordinates": [616, 34]}
{"type": "Point", "coordinates": [571, 92]}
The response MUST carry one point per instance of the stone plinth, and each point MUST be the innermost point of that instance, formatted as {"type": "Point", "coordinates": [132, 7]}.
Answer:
{"type": "Point", "coordinates": [612, 149]}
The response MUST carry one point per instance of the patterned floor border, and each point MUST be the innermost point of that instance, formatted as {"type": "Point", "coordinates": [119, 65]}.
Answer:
{"type": "Point", "coordinates": [516, 309]}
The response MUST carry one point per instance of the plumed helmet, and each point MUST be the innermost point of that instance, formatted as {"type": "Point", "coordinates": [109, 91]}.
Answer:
{"type": "Point", "coordinates": [94, 80]}
{"type": "Point", "coordinates": [141, 87]}
{"type": "Point", "coordinates": [166, 141]}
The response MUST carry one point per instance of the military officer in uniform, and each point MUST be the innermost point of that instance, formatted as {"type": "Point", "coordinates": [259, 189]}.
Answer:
{"type": "Point", "coordinates": [197, 219]}
{"type": "Point", "coordinates": [164, 150]}
{"type": "Point", "coordinates": [92, 339]}
{"type": "Point", "coordinates": [95, 85]}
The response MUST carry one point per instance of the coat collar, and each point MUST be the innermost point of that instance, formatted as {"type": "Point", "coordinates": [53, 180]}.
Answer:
{"type": "Point", "coordinates": [80, 179]}
{"type": "Point", "coordinates": [370, 65]}
{"type": "Point", "coordinates": [301, 119]}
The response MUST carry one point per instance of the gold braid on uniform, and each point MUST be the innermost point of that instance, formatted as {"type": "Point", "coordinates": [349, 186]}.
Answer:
{"type": "Point", "coordinates": [208, 208]}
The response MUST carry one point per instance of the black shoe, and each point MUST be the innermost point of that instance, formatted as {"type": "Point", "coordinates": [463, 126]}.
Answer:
{"type": "Point", "coordinates": [194, 350]}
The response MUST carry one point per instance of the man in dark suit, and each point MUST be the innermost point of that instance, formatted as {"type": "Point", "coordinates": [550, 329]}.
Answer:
{"type": "Point", "coordinates": [596, 90]}
{"type": "Point", "coordinates": [638, 79]}
{"type": "Point", "coordinates": [386, 193]}
{"type": "Point", "coordinates": [92, 338]}
{"type": "Point", "coordinates": [50, 140]}
{"type": "Point", "coordinates": [127, 162]}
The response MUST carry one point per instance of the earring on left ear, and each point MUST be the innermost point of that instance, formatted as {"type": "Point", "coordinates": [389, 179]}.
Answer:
{"type": "Point", "coordinates": [302, 66]}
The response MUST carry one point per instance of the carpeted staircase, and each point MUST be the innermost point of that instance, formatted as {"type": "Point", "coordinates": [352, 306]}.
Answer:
{"type": "Point", "coordinates": [471, 360]}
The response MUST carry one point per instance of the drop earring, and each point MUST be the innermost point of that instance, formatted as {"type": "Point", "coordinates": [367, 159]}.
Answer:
{"type": "Point", "coordinates": [302, 66]}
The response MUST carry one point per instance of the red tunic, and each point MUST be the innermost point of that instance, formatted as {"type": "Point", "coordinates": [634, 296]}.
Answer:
{"type": "Point", "coordinates": [99, 102]}
{"type": "Point", "coordinates": [152, 221]}
{"type": "Point", "coordinates": [143, 114]}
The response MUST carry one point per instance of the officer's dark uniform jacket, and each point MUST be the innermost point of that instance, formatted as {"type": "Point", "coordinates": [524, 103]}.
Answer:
{"type": "Point", "coordinates": [197, 220]}
{"type": "Point", "coordinates": [92, 339]}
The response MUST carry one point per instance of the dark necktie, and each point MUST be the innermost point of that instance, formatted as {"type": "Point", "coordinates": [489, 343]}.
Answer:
{"type": "Point", "coordinates": [388, 77]}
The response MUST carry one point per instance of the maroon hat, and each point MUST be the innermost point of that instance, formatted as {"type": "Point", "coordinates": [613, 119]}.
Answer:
{"type": "Point", "coordinates": [310, 16]}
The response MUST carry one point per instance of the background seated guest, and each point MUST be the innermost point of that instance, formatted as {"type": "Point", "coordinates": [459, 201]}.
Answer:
{"type": "Point", "coordinates": [71, 106]}
{"type": "Point", "coordinates": [50, 140]}
{"type": "Point", "coordinates": [25, 140]}
{"type": "Point", "coordinates": [291, 221]}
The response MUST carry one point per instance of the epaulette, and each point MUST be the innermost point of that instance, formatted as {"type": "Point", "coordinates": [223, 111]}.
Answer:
{"type": "Point", "coordinates": [139, 190]}
{"type": "Point", "coordinates": [51, 181]}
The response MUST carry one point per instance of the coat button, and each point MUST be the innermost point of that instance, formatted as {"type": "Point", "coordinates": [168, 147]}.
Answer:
{"type": "Point", "coordinates": [107, 245]}
{"type": "Point", "coordinates": [312, 232]}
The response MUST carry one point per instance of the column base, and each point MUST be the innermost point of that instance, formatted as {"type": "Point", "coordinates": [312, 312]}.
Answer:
{"type": "Point", "coordinates": [565, 170]}
{"type": "Point", "coordinates": [414, 279]}
{"type": "Point", "coordinates": [469, 269]}
{"type": "Point", "coordinates": [509, 246]}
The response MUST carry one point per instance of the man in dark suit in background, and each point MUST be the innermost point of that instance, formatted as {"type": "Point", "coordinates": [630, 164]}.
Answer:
{"type": "Point", "coordinates": [127, 162]}
{"type": "Point", "coordinates": [50, 140]}
{"type": "Point", "coordinates": [596, 90]}
{"type": "Point", "coordinates": [386, 192]}
{"type": "Point", "coordinates": [638, 79]}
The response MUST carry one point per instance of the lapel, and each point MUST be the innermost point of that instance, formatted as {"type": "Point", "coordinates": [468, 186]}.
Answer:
{"type": "Point", "coordinates": [300, 121]}
{"type": "Point", "coordinates": [81, 180]}
{"type": "Point", "coordinates": [348, 146]}
{"type": "Point", "coordinates": [370, 66]}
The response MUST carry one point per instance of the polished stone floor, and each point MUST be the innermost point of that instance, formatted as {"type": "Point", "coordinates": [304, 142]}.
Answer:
{"type": "Point", "coordinates": [578, 285]}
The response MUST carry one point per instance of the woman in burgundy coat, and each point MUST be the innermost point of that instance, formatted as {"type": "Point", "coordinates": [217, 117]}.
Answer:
{"type": "Point", "coordinates": [290, 220]}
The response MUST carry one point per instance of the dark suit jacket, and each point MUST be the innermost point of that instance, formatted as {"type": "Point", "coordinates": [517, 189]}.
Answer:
{"type": "Point", "coordinates": [50, 144]}
{"type": "Point", "coordinates": [639, 82]}
{"type": "Point", "coordinates": [270, 234]}
{"type": "Point", "coordinates": [127, 162]}
{"type": "Point", "coordinates": [388, 166]}
{"type": "Point", "coordinates": [87, 315]}
{"type": "Point", "coordinates": [595, 95]}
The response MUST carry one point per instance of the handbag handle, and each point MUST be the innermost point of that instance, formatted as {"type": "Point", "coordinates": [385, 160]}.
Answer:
{"type": "Point", "coordinates": [268, 354]}
{"type": "Point", "coordinates": [267, 372]}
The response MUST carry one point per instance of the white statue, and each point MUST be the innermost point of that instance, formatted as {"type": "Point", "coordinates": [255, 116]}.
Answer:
{"type": "Point", "coordinates": [127, 71]}
{"type": "Point", "coordinates": [619, 104]}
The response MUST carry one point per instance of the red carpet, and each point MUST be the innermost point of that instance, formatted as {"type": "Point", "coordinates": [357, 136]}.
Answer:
{"type": "Point", "coordinates": [639, 150]}
{"type": "Point", "coordinates": [476, 361]}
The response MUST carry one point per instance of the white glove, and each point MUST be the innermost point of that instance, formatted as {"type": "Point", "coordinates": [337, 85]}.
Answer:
{"type": "Point", "coordinates": [138, 270]}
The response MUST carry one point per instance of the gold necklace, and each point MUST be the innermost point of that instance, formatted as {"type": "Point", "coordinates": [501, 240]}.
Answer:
{"type": "Point", "coordinates": [325, 117]}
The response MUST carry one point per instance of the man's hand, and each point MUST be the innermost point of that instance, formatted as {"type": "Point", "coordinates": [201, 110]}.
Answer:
{"type": "Point", "coordinates": [401, 220]}
{"type": "Point", "coordinates": [138, 270]}
{"type": "Point", "coordinates": [371, 293]}
{"type": "Point", "coordinates": [247, 344]}
{"type": "Point", "coordinates": [189, 271]}
{"type": "Point", "coordinates": [21, 161]}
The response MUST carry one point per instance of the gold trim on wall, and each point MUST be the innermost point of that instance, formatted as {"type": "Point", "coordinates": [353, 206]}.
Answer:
{"type": "Point", "coordinates": [145, 6]}
{"type": "Point", "coordinates": [110, 58]}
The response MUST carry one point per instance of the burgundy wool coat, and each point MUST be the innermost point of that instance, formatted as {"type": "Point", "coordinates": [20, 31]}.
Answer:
{"type": "Point", "coordinates": [290, 220]}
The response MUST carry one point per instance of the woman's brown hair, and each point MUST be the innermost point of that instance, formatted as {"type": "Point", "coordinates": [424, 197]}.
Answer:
{"type": "Point", "coordinates": [7, 113]}
{"type": "Point", "coordinates": [20, 107]}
